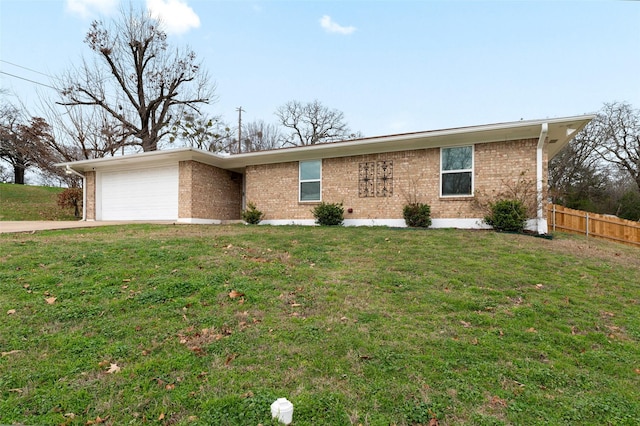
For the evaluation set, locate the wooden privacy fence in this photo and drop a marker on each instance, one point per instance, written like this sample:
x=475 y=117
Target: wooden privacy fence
x=612 y=228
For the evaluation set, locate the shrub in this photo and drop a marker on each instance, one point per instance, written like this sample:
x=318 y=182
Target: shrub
x=71 y=198
x=417 y=215
x=329 y=214
x=251 y=214
x=507 y=215
x=630 y=206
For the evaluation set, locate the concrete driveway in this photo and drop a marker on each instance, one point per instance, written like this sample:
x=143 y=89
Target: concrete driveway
x=43 y=225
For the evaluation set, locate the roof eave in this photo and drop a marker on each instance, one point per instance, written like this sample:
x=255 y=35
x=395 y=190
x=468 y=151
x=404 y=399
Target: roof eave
x=561 y=131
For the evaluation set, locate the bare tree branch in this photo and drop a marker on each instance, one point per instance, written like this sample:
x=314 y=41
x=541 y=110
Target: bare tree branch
x=312 y=123
x=136 y=78
x=617 y=137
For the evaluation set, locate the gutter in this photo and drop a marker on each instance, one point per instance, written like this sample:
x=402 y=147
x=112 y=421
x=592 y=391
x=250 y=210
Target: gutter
x=540 y=220
x=70 y=171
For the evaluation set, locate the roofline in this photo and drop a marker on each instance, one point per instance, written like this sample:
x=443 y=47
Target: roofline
x=561 y=131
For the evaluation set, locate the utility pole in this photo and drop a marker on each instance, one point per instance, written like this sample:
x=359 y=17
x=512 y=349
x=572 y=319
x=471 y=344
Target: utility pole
x=239 y=109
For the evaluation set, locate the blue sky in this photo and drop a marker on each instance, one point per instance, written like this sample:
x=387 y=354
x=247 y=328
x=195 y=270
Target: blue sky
x=390 y=66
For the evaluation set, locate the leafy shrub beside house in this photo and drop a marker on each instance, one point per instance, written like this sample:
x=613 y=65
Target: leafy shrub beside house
x=417 y=215
x=329 y=214
x=507 y=215
x=252 y=215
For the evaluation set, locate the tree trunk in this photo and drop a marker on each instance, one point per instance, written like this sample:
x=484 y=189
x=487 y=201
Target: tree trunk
x=18 y=174
x=149 y=144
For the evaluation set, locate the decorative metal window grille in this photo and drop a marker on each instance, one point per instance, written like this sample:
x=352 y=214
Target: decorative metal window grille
x=366 y=179
x=375 y=179
x=384 y=179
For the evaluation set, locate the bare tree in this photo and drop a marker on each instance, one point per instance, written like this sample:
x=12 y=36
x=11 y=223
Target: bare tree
x=599 y=170
x=21 y=140
x=312 y=123
x=136 y=78
x=617 y=137
x=5 y=176
x=578 y=177
x=83 y=134
x=260 y=136
x=201 y=132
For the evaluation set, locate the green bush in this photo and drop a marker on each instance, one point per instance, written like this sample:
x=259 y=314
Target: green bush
x=630 y=206
x=329 y=214
x=417 y=215
x=252 y=215
x=507 y=215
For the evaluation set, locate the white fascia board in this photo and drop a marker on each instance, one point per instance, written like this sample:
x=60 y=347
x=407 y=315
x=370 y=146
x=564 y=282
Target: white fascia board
x=419 y=140
x=559 y=135
x=148 y=159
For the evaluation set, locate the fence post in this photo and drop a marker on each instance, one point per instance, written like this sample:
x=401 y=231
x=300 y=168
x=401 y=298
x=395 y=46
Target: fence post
x=553 y=217
x=587 y=223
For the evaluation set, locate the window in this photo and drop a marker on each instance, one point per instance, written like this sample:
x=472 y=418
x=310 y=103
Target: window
x=310 y=173
x=456 y=171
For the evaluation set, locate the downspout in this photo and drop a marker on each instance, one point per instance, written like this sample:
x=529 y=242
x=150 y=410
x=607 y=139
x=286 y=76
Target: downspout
x=70 y=171
x=541 y=221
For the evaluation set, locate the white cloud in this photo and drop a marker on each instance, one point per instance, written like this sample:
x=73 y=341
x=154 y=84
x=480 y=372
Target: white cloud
x=177 y=17
x=88 y=8
x=333 y=27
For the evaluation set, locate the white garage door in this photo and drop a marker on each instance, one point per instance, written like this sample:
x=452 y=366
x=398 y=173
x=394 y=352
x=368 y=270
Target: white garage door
x=143 y=194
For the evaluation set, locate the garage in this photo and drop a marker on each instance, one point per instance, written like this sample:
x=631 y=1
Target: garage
x=138 y=194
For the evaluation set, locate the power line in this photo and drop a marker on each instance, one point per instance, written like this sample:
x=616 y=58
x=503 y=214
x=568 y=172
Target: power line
x=25 y=68
x=26 y=79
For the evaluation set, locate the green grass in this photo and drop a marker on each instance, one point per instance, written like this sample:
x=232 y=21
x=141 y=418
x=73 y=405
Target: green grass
x=25 y=202
x=370 y=326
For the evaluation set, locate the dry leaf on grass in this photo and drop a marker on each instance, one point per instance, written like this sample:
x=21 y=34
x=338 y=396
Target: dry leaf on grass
x=496 y=401
x=51 y=300
x=113 y=368
x=15 y=351
x=235 y=294
x=229 y=359
x=11 y=311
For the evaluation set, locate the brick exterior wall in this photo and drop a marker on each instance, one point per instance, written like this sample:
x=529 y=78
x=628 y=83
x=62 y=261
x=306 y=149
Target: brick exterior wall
x=90 y=181
x=416 y=174
x=208 y=192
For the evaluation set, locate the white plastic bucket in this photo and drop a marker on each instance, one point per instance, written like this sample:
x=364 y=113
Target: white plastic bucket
x=282 y=408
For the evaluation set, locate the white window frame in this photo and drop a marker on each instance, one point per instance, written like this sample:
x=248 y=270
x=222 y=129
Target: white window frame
x=444 y=172
x=301 y=181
